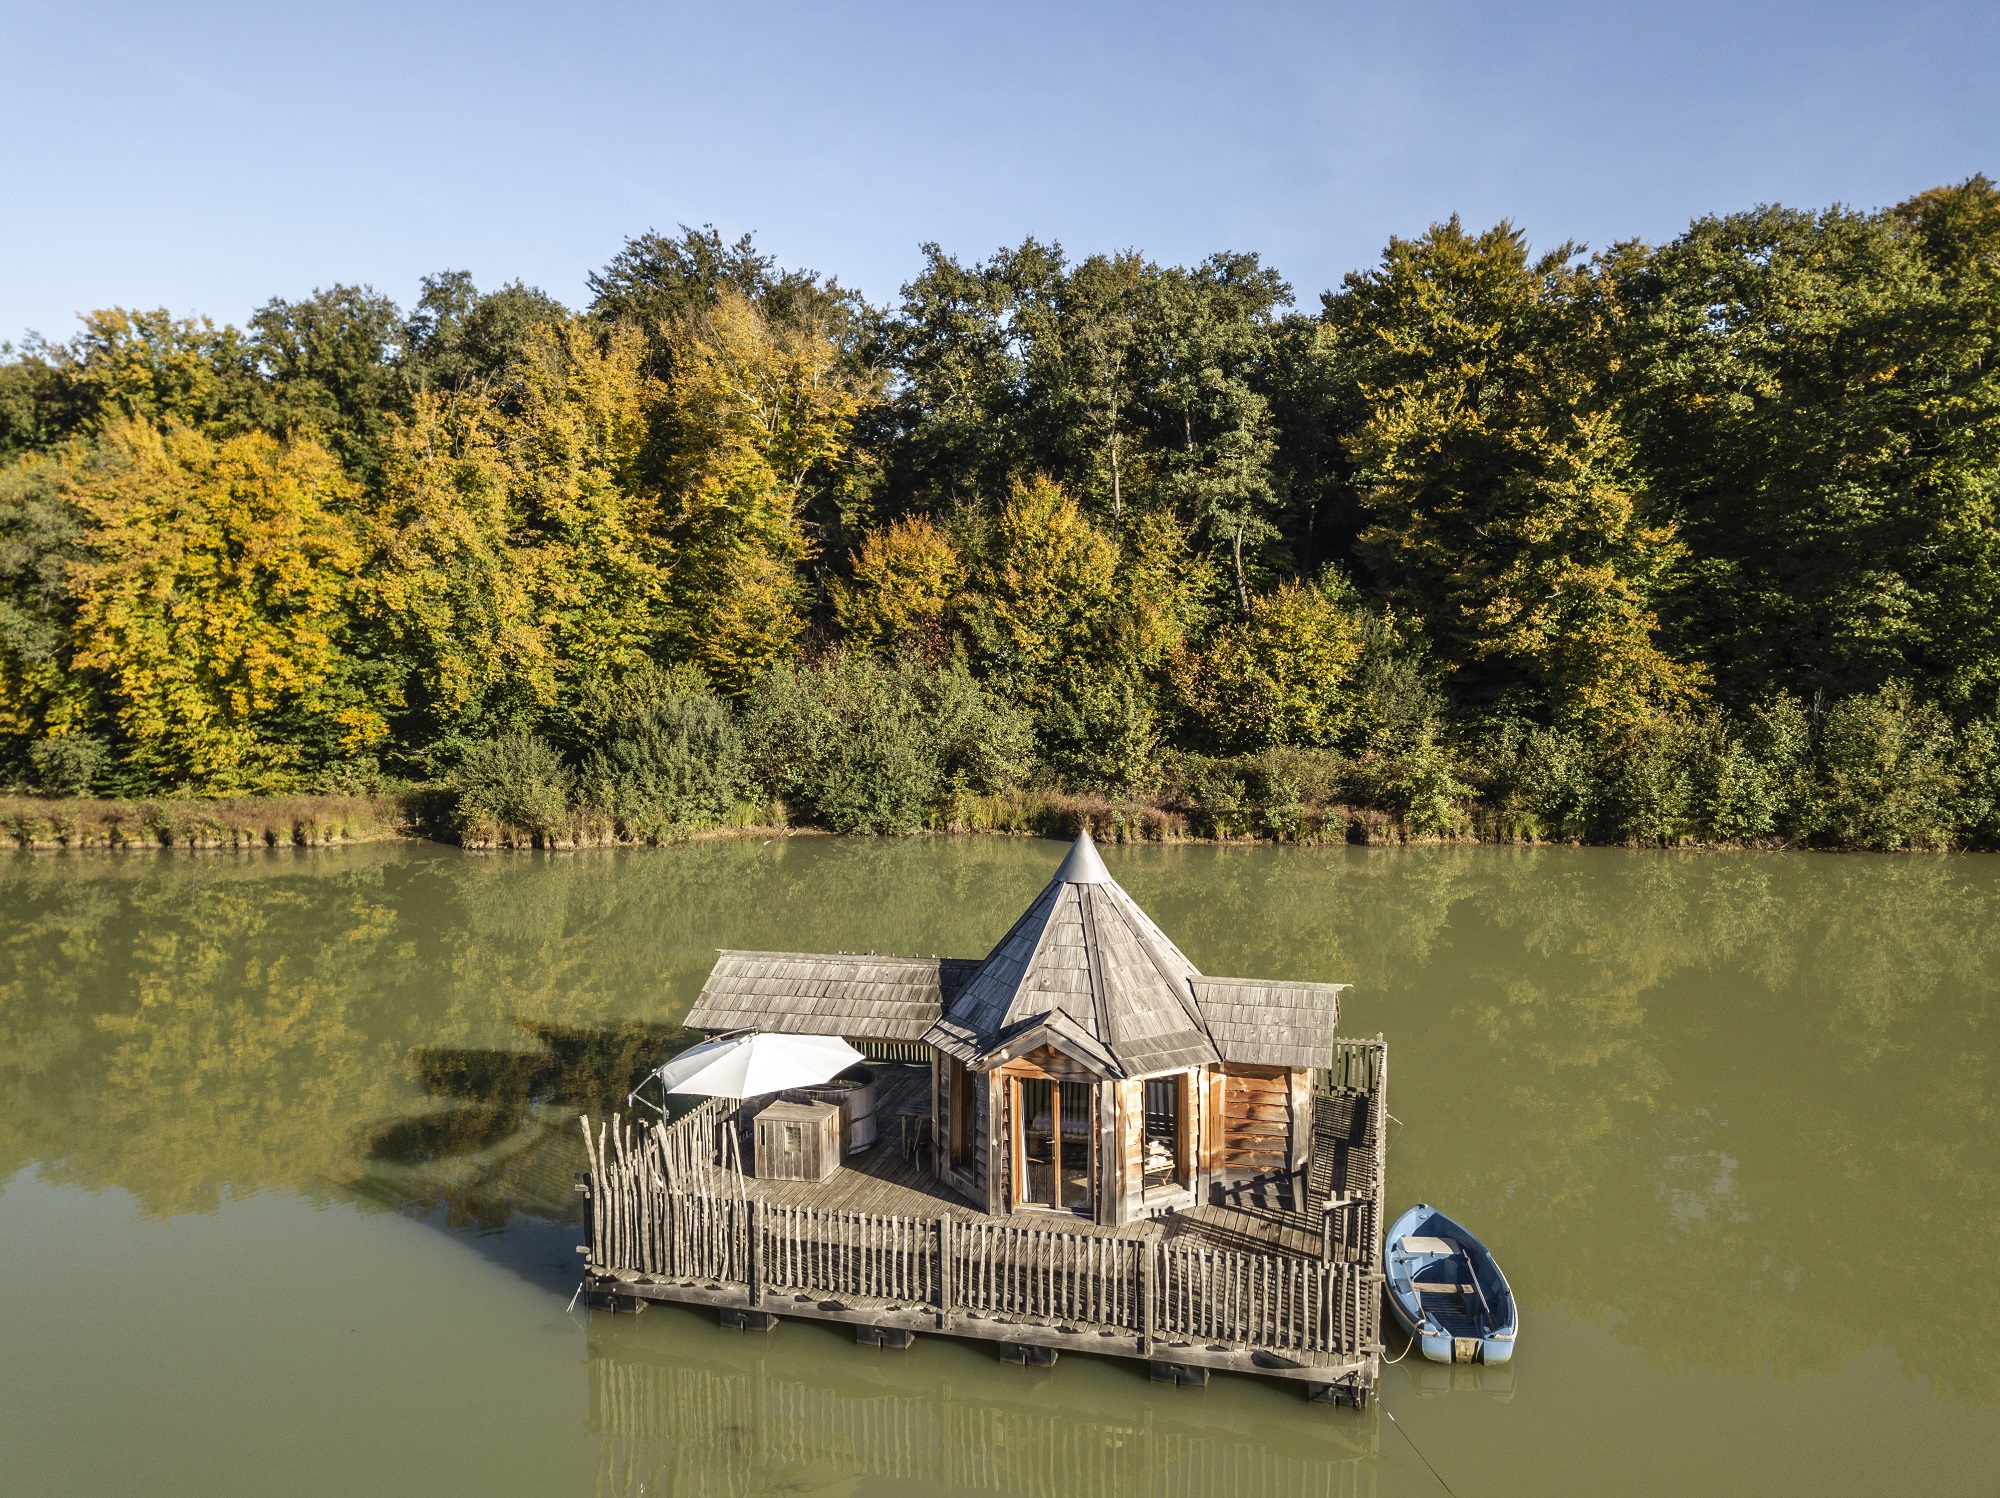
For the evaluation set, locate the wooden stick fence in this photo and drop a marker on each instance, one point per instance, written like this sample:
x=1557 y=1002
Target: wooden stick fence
x=641 y=1224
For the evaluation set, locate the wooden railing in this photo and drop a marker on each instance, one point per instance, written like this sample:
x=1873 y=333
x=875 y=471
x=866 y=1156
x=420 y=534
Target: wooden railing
x=641 y=1223
x=1349 y=1146
x=1047 y=1275
x=1264 y=1300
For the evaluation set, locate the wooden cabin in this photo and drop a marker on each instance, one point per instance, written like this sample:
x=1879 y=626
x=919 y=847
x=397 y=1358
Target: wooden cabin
x=1083 y=1068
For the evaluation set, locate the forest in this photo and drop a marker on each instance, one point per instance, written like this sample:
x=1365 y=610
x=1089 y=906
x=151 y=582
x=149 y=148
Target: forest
x=1692 y=542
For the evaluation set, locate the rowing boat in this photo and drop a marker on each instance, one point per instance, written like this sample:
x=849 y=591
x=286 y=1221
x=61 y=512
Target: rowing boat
x=1447 y=1292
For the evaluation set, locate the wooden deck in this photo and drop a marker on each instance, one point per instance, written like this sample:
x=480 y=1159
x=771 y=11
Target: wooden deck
x=882 y=1245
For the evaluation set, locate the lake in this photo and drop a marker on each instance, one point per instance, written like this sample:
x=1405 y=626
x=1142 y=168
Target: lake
x=287 y=1145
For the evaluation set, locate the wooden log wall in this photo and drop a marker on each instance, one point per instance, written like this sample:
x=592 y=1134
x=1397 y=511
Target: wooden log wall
x=1256 y=1121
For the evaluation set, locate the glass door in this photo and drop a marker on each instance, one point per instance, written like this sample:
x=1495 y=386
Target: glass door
x=1058 y=1129
x=1035 y=1116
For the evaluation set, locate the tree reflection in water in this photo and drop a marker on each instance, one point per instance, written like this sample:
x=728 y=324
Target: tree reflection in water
x=1707 y=1100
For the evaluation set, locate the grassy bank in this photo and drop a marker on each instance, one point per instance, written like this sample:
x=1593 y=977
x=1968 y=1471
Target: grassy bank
x=232 y=822
x=37 y=823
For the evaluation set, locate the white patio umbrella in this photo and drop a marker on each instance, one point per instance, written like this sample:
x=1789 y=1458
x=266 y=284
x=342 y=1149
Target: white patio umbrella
x=744 y=1066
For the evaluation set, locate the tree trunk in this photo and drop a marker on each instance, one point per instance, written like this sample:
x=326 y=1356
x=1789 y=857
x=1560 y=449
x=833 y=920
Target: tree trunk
x=1117 y=499
x=1242 y=593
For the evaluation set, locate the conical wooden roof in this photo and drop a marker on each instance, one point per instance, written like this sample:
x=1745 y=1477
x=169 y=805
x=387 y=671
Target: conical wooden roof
x=1086 y=970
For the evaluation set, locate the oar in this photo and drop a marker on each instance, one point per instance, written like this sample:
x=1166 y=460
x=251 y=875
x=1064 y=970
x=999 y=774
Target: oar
x=1484 y=1304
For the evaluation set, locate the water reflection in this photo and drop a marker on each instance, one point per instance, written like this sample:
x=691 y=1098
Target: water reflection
x=1707 y=1101
x=671 y=1422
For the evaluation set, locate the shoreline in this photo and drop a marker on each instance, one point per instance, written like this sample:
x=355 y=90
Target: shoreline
x=31 y=824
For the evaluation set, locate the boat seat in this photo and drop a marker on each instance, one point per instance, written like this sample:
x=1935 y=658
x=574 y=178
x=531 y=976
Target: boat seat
x=1430 y=1246
x=1426 y=1287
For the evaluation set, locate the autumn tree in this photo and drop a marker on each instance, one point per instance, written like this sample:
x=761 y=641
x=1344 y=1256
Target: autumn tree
x=753 y=412
x=1503 y=506
x=1282 y=675
x=214 y=605
x=906 y=577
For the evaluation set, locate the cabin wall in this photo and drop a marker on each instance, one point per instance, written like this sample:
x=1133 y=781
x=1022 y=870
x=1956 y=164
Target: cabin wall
x=971 y=1182
x=1262 y=1136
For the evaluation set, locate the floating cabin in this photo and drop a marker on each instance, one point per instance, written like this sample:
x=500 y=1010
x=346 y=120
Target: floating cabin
x=1085 y=1142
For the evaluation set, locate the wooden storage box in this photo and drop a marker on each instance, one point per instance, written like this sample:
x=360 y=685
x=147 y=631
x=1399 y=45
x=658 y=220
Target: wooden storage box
x=798 y=1141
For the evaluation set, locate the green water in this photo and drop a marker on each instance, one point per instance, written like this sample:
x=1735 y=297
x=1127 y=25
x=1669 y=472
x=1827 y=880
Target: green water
x=286 y=1150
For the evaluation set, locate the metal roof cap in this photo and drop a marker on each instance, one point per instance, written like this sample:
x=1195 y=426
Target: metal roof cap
x=1083 y=866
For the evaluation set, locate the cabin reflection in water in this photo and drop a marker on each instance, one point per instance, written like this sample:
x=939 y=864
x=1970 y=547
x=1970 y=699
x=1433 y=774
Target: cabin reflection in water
x=668 y=1426
x=1080 y=1142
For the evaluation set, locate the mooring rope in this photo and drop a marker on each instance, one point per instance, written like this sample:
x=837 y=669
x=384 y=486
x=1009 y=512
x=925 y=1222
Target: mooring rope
x=1418 y=1449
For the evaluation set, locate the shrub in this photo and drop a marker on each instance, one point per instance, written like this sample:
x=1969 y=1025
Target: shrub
x=71 y=764
x=1100 y=732
x=671 y=767
x=1886 y=772
x=1284 y=675
x=866 y=745
x=516 y=780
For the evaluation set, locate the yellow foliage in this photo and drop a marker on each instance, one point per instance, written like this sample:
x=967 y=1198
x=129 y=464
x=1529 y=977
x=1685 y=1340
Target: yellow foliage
x=453 y=595
x=1281 y=676
x=588 y=526
x=518 y=544
x=750 y=412
x=1051 y=590
x=905 y=578
x=212 y=603
x=1164 y=583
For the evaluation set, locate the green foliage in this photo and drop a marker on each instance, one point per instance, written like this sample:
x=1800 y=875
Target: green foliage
x=866 y=745
x=1818 y=394
x=41 y=535
x=457 y=338
x=1887 y=773
x=331 y=362
x=1054 y=519
x=1099 y=732
x=1500 y=489
x=70 y=764
x=657 y=280
x=516 y=780
x=670 y=767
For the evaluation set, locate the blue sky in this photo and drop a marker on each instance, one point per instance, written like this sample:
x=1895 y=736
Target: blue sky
x=207 y=157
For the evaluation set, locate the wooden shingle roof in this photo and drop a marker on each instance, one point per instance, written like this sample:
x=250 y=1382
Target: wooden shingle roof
x=1084 y=969
x=1260 y=1022
x=816 y=993
x=1084 y=950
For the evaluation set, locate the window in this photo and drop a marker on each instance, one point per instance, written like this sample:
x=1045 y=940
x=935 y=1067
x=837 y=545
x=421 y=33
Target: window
x=795 y=1138
x=963 y=1103
x=1166 y=1140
